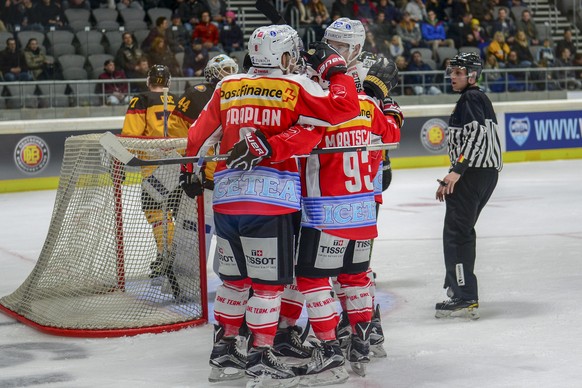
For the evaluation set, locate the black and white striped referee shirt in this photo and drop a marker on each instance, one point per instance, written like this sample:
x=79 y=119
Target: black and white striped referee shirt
x=473 y=140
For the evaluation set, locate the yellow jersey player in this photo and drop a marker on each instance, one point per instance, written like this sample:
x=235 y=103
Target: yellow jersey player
x=147 y=117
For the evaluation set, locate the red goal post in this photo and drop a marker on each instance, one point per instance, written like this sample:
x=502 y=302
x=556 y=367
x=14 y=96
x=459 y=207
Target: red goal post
x=94 y=276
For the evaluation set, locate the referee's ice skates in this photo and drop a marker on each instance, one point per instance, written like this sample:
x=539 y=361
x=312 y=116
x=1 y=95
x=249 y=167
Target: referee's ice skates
x=266 y=370
x=457 y=308
x=226 y=361
x=326 y=366
x=358 y=351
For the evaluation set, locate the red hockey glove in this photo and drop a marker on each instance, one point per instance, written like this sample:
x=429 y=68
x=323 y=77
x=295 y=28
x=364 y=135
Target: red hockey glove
x=325 y=60
x=391 y=108
x=249 y=151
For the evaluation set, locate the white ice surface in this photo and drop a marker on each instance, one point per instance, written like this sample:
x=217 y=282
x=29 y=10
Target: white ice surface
x=529 y=268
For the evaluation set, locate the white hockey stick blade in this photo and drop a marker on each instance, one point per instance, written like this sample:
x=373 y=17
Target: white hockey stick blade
x=225 y=374
x=112 y=145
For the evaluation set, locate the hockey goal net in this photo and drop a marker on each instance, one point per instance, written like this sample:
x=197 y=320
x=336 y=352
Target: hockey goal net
x=123 y=254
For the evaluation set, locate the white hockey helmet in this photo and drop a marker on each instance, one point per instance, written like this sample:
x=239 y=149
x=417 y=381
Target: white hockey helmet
x=347 y=31
x=268 y=44
x=219 y=67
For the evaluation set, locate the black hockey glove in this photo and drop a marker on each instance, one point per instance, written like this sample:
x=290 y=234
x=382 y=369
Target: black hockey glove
x=249 y=151
x=391 y=108
x=386 y=173
x=325 y=60
x=381 y=78
x=190 y=183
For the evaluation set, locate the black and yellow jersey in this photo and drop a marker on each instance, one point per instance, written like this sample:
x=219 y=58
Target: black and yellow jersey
x=188 y=108
x=145 y=114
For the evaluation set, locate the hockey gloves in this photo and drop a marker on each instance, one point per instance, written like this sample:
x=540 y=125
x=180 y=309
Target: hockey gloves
x=190 y=183
x=325 y=60
x=391 y=108
x=381 y=78
x=249 y=151
x=386 y=173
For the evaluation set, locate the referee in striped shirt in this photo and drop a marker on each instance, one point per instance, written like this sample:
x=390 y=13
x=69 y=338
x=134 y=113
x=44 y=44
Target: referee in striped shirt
x=475 y=154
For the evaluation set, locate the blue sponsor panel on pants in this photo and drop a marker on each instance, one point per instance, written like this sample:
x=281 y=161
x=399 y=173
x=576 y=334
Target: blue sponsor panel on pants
x=543 y=130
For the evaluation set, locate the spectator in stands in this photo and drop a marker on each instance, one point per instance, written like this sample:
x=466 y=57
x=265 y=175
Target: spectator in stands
x=421 y=83
x=434 y=34
x=160 y=54
x=521 y=48
x=438 y=9
x=545 y=55
x=115 y=93
x=365 y=11
x=460 y=28
x=515 y=79
x=416 y=9
x=318 y=27
x=505 y=24
x=401 y=64
x=566 y=78
x=371 y=45
x=567 y=42
x=442 y=82
x=191 y=11
x=13 y=64
x=231 y=35
x=217 y=9
x=343 y=8
x=396 y=47
x=458 y=8
x=141 y=72
x=24 y=16
x=124 y=4
x=495 y=80
x=178 y=33
x=128 y=56
x=207 y=32
x=487 y=22
x=36 y=61
x=478 y=8
x=480 y=36
x=160 y=30
x=50 y=15
x=499 y=48
x=527 y=25
x=381 y=28
x=195 y=59
x=296 y=9
x=314 y=8
x=410 y=33
x=578 y=63
x=392 y=15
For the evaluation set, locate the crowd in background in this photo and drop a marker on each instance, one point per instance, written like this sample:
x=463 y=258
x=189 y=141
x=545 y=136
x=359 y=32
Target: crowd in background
x=502 y=31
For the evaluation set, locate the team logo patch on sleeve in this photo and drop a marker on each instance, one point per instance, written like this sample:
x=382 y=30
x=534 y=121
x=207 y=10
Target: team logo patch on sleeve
x=200 y=88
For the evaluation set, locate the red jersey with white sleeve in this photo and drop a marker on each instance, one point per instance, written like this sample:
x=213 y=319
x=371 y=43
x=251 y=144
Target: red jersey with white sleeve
x=272 y=102
x=338 y=189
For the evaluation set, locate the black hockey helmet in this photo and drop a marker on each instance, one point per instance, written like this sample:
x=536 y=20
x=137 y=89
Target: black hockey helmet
x=159 y=75
x=470 y=61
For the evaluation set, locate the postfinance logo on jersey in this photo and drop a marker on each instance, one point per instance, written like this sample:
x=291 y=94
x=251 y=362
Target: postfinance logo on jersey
x=259 y=92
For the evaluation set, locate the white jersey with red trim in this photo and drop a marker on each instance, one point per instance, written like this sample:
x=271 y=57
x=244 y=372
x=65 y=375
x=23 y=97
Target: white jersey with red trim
x=358 y=72
x=338 y=189
x=268 y=100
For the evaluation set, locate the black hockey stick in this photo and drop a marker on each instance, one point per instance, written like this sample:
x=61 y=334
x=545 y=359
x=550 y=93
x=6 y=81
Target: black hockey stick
x=268 y=9
x=111 y=144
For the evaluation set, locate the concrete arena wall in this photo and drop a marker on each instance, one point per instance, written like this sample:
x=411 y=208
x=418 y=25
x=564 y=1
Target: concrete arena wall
x=31 y=151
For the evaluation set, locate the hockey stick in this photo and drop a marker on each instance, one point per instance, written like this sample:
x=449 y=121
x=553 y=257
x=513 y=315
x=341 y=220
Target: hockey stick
x=111 y=144
x=267 y=8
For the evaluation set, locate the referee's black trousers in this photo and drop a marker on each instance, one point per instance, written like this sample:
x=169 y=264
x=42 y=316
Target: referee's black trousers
x=471 y=194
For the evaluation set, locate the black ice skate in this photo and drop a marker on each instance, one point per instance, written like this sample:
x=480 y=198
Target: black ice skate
x=266 y=370
x=157 y=266
x=325 y=367
x=343 y=330
x=377 y=335
x=226 y=361
x=289 y=343
x=457 y=308
x=358 y=351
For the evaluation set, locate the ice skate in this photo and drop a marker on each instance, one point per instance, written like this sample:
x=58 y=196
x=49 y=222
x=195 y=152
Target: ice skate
x=377 y=335
x=265 y=370
x=226 y=361
x=290 y=343
x=343 y=330
x=358 y=351
x=326 y=366
x=457 y=308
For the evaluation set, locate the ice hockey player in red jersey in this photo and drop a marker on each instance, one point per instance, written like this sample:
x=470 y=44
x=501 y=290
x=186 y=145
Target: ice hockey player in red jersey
x=256 y=201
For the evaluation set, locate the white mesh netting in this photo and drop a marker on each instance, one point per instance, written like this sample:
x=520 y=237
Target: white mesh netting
x=122 y=255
